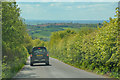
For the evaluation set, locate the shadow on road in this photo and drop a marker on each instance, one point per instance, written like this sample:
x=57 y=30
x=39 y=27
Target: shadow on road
x=26 y=69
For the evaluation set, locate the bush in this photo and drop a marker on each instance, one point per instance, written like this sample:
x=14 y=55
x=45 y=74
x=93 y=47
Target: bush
x=93 y=49
x=15 y=40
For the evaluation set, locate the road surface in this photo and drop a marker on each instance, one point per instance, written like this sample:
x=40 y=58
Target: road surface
x=56 y=69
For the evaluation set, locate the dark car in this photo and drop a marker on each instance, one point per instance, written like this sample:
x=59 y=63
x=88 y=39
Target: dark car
x=39 y=55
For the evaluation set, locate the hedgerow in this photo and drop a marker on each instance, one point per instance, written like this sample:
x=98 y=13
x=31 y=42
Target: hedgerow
x=92 y=49
x=15 y=40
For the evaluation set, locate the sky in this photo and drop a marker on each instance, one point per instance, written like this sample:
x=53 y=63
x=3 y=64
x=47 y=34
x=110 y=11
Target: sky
x=67 y=0
x=67 y=10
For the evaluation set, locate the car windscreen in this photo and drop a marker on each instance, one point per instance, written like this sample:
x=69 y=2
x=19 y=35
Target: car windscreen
x=39 y=50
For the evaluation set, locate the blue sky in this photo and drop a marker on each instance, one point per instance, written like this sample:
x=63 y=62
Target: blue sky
x=67 y=10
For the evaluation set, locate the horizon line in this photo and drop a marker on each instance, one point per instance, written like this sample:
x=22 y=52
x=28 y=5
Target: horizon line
x=62 y=20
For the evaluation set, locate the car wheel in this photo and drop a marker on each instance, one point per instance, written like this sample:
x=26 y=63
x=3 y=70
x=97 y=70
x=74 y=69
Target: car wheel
x=31 y=64
x=47 y=63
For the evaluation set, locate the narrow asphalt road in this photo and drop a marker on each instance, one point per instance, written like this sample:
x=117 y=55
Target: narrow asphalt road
x=56 y=69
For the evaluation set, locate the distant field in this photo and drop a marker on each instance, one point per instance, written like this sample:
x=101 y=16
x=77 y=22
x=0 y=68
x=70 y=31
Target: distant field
x=43 y=31
x=75 y=29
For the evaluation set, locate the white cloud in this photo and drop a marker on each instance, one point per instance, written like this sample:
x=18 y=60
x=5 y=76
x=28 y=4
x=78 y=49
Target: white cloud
x=69 y=7
x=94 y=5
x=28 y=5
x=81 y=6
x=56 y=4
x=38 y=5
x=24 y=5
x=52 y=4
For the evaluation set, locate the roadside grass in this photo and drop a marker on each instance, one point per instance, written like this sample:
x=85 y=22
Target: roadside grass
x=10 y=69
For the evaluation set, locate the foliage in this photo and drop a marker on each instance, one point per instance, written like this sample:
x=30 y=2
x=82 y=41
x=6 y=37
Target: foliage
x=15 y=40
x=90 y=49
x=39 y=43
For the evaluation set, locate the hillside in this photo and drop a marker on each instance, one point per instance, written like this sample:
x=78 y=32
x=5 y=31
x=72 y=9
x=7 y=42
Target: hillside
x=43 y=31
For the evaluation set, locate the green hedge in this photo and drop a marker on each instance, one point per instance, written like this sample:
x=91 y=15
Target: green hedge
x=92 y=49
x=15 y=40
